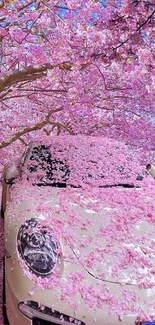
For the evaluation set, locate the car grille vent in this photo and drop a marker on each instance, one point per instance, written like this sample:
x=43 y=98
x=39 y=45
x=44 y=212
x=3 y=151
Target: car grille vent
x=56 y=314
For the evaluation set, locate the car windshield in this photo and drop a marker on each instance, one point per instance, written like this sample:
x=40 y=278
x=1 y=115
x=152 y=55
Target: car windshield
x=79 y=162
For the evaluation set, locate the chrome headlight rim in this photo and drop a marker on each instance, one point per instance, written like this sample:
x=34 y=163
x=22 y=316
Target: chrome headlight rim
x=35 y=244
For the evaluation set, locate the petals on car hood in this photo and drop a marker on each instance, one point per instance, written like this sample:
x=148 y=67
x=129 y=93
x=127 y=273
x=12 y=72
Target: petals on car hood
x=110 y=232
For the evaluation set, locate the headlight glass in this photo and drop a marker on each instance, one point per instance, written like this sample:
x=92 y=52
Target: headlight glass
x=37 y=247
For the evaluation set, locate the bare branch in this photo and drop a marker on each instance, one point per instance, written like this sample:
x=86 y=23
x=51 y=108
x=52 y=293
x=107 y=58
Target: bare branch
x=25 y=6
x=23 y=141
x=146 y=21
x=42 y=90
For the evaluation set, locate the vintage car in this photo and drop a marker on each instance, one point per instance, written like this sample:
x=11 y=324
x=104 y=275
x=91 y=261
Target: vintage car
x=79 y=240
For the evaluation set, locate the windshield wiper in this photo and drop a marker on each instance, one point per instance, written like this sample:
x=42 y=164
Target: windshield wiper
x=64 y=185
x=120 y=185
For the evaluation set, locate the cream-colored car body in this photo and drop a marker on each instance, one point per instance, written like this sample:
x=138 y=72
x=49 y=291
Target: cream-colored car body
x=151 y=170
x=18 y=287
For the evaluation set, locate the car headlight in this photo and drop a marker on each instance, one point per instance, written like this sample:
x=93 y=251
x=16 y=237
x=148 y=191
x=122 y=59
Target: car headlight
x=37 y=247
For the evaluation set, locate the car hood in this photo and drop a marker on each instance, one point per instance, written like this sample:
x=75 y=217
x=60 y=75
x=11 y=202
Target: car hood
x=106 y=232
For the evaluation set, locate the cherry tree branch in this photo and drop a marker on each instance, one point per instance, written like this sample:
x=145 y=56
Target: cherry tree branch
x=30 y=72
x=122 y=43
x=36 y=127
x=25 y=6
x=137 y=30
x=18 y=135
